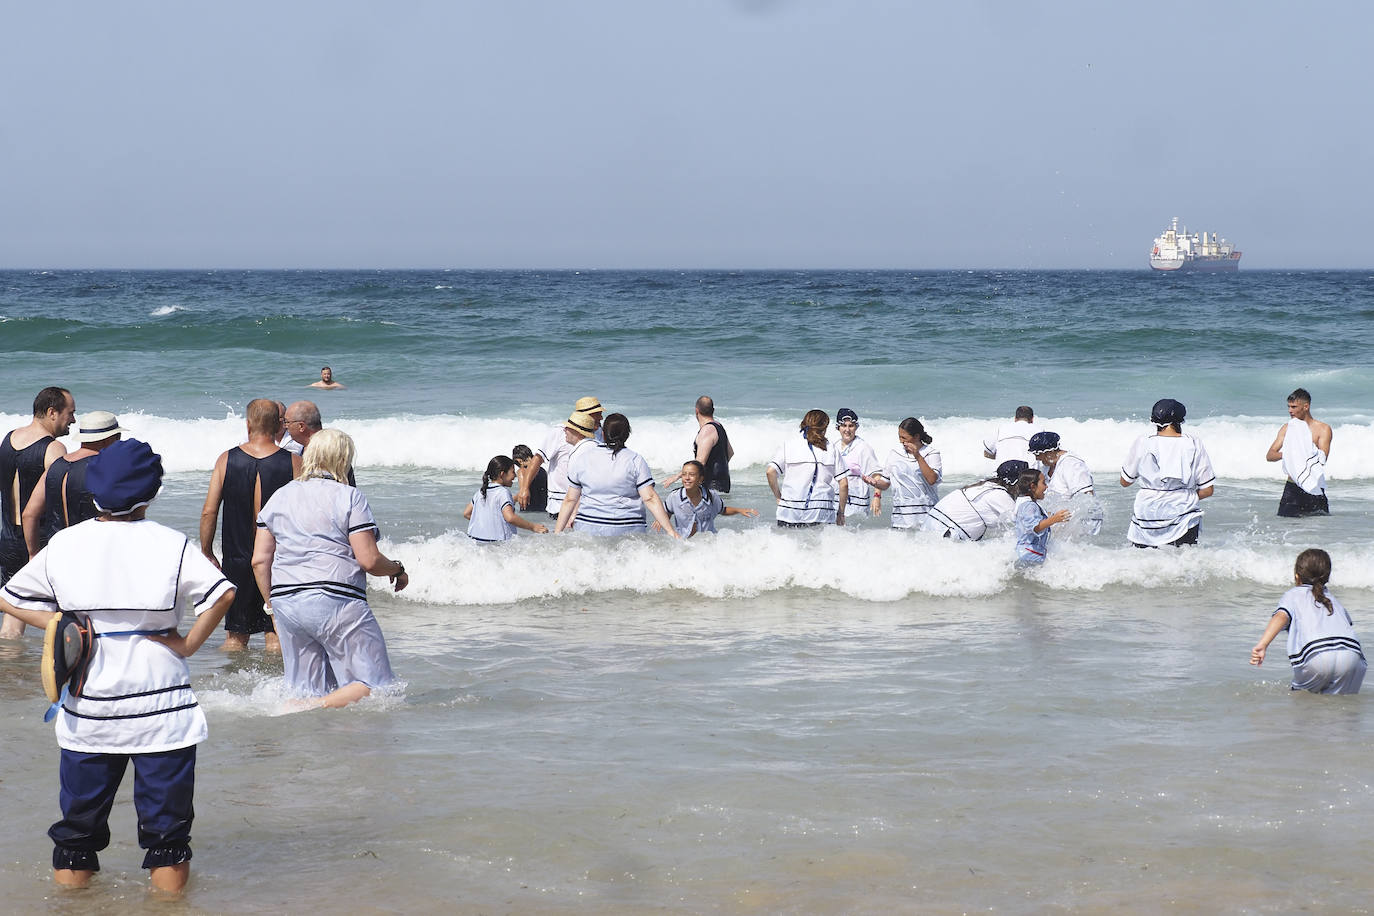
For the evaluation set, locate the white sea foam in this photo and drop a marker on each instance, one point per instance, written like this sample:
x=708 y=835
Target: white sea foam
x=869 y=565
x=166 y=310
x=450 y=442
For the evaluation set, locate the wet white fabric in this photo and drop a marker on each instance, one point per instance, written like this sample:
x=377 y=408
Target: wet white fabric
x=910 y=496
x=1322 y=648
x=808 y=478
x=1303 y=462
x=1011 y=441
x=1169 y=470
x=967 y=514
x=125 y=576
x=488 y=522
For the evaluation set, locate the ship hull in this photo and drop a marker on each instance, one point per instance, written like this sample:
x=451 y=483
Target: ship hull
x=1197 y=265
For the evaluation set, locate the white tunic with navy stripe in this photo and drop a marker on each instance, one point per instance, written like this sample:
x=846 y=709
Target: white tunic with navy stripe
x=860 y=458
x=488 y=522
x=125 y=576
x=1071 y=478
x=911 y=497
x=1169 y=470
x=808 y=481
x=1322 y=648
x=311 y=521
x=609 y=484
x=686 y=514
x=557 y=452
x=967 y=514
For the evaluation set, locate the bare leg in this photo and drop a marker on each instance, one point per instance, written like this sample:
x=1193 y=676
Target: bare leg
x=12 y=628
x=170 y=879
x=70 y=877
x=348 y=693
x=234 y=642
x=273 y=645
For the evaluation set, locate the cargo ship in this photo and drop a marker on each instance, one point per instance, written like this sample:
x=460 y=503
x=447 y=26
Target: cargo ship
x=1175 y=250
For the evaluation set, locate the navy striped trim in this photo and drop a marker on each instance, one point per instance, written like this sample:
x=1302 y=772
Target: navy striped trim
x=1325 y=644
x=364 y=527
x=213 y=589
x=603 y=520
x=130 y=696
x=38 y=599
x=342 y=589
x=132 y=715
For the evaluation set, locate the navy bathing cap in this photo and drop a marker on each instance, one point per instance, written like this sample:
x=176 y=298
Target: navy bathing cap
x=1044 y=442
x=846 y=414
x=1010 y=471
x=124 y=476
x=1167 y=410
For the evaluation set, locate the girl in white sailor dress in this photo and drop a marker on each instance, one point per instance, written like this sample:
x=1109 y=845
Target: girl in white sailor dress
x=913 y=472
x=1322 y=647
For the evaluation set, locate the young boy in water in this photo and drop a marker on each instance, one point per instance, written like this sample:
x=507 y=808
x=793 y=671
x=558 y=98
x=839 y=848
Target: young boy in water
x=129 y=579
x=694 y=509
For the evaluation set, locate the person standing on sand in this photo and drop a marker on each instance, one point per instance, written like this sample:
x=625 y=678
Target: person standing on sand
x=26 y=454
x=1303 y=445
x=130 y=578
x=327 y=381
x=244 y=479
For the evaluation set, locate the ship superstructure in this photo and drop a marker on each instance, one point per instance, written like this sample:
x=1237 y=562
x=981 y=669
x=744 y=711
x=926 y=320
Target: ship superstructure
x=1177 y=250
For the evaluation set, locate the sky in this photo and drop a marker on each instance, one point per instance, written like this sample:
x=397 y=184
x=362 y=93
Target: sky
x=690 y=134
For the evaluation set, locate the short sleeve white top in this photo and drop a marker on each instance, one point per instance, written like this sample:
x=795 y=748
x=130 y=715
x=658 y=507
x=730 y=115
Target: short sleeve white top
x=488 y=522
x=809 y=479
x=911 y=497
x=125 y=576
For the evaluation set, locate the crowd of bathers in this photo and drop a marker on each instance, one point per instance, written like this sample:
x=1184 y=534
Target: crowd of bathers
x=80 y=559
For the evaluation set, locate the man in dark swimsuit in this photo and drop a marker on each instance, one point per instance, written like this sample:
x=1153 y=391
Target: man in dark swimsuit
x=244 y=479
x=26 y=454
x=63 y=500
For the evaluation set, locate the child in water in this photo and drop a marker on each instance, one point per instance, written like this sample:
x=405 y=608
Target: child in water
x=1032 y=524
x=491 y=512
x=1326 y=656
x=694 y=509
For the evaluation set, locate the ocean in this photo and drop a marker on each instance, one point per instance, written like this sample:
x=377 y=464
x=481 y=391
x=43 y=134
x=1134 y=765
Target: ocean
x=853 y=720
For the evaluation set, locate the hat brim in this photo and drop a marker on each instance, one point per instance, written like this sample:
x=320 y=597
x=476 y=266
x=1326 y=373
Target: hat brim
x=66 y=653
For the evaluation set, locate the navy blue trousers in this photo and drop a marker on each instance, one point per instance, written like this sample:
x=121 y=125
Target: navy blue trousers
x=163 y=785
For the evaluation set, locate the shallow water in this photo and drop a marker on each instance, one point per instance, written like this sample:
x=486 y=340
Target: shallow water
x=855 y=721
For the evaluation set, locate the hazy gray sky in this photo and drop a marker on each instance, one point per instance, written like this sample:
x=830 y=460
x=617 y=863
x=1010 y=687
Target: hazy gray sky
x=557 y=133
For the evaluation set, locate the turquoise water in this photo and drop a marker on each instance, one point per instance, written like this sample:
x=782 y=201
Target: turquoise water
x=827 y=721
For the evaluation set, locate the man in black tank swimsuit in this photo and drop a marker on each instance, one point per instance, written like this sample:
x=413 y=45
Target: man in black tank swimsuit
x=63 y=500
x=244 y=479
x=711 y=447
x=26 y=454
